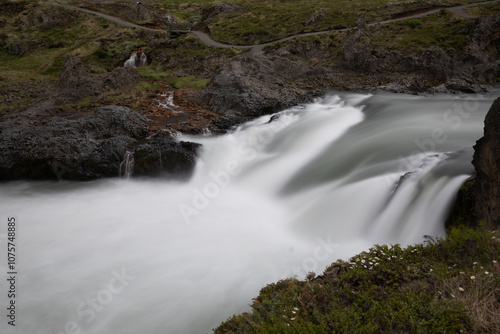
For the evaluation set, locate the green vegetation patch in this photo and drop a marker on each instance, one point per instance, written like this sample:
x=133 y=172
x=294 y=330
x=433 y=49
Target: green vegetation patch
x=442 y=29
x=485 y=9
x=36 y=38
x=446 y=285
x=261 y=21
x=161 y=74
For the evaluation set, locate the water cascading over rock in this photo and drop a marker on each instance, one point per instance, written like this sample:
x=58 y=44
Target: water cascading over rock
x=137 y=59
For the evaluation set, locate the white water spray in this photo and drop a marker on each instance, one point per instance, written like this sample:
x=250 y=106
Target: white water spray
x=127 y=166
x=320 y=182
x=136 y=61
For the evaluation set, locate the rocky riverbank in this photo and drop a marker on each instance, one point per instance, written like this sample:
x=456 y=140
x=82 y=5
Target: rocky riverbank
x=241 y=85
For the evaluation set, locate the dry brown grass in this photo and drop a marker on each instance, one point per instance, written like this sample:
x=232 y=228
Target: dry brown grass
x=481 y=295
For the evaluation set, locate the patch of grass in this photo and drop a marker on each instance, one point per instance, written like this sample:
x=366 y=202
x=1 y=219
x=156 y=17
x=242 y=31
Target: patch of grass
x=152 y=72
x=160 y=74
x=414 y=23
x=485 y=9
x=447 y=285
x=441 y=29
x=188 y=82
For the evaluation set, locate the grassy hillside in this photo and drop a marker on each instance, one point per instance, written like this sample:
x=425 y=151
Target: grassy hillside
x=259 y=21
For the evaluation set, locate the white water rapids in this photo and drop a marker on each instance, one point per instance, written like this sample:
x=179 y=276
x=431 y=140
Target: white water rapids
x=272 y=199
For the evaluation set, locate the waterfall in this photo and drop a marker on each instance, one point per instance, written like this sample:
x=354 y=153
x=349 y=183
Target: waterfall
x=278 y=196
x=165 y=100
x=143 y=61
x=127 y=165
x=136 y=61
x=131 y=61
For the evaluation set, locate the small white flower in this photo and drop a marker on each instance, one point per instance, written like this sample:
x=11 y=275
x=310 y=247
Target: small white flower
x=494 y=261
x=296 y=309
x=292 y=318
x=431 y=270
x=460 y=289
x=363 y=261
x=487 y=273
x=294 y=312
x=474 y=263
x=473 y=277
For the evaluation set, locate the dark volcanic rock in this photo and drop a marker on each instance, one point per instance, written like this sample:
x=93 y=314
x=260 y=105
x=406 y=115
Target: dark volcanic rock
x=83 y=149
x=165 y=156
x=479 y=64
x=89 y=148
x=76 y=82
x=487 y=164
x=255 y=84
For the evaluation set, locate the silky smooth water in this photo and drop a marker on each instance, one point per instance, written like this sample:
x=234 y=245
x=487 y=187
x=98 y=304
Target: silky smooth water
x=279 y=196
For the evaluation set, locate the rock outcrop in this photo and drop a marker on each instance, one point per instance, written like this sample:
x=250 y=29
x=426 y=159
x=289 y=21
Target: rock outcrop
x=82 y=149
x=479 y=63
x=89 y=148
x=163 y=156
x=254 y=84
x=75 y=81
x=486 y=161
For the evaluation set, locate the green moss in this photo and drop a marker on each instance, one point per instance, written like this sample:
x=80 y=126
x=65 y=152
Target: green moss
x=425 y=288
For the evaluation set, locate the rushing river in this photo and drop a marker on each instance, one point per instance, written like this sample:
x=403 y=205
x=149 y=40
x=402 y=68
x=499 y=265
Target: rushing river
x=275 y=198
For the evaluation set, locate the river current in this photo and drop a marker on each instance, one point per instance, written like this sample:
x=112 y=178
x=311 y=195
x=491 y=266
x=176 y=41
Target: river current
x=279 y=196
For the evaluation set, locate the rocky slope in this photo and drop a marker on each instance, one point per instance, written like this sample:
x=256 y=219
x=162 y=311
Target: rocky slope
x=263 y=83
x=41 y=143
